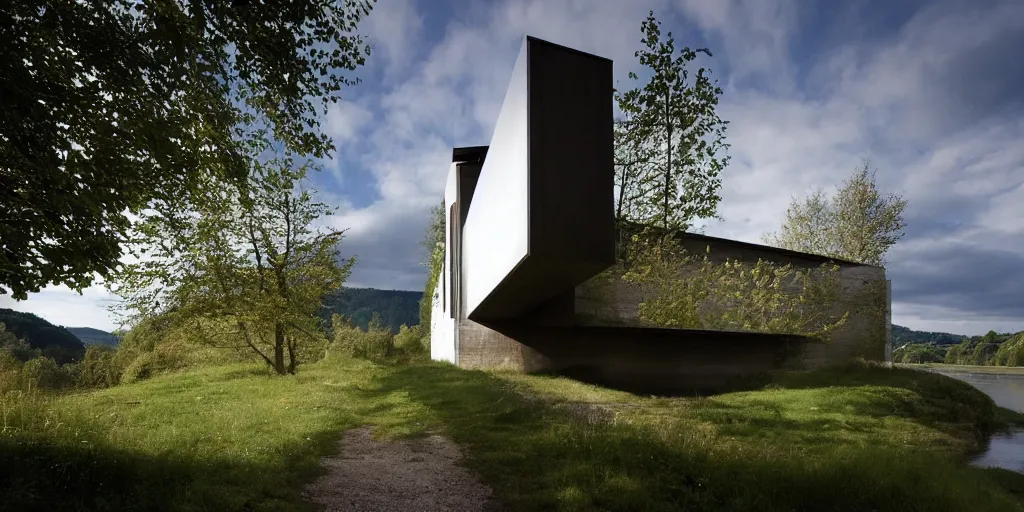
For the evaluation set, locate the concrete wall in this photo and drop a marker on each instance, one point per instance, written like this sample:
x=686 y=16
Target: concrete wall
x=442 y=326
x=607 y=300
x=636 y=359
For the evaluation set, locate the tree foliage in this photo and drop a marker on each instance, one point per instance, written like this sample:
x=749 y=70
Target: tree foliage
x=433 y=245
x=681 y=290
x=990 y=349
x=858 y=223
x=114 y=106
x=15 y=346
x=670 y=142
x=251 y=255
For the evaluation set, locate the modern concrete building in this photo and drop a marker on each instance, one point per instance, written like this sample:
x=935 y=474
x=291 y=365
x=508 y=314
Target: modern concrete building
x=530 y=223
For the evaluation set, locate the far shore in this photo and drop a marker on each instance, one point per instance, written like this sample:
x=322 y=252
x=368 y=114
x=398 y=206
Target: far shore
x=965 y=368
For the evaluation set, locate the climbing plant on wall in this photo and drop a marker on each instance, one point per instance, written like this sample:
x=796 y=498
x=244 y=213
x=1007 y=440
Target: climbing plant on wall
x=683 y=290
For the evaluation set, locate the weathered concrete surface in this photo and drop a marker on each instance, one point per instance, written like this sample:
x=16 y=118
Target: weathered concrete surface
x=597 y=335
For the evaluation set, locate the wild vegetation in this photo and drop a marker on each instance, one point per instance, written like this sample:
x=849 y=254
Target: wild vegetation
x=857 y=223
x=229 y=383
x=681 y=290
x=395 y=307
x=50 y=340
x=990 y=349
x=670 y=142
x=111 y=108
x=234 y=436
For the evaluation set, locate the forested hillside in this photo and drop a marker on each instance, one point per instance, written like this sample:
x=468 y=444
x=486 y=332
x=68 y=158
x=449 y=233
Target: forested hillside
x=992 y=349
x=902 y=335
x=91 y=336
x=395 y=307
x=52 y=340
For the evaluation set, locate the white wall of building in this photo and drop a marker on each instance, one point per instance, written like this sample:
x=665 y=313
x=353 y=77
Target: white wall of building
x=497 y=225
x=442 y=325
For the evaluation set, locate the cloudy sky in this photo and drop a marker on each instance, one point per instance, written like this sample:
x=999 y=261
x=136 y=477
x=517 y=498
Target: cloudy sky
x=932 y=92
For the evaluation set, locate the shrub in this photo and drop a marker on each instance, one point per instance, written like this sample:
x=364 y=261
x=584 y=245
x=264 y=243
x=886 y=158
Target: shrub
x=43 y=373
x=97 y=368
x=411 y=342
x=10 y=372
x=376 y=342
x=140 y=368
x=15 y=346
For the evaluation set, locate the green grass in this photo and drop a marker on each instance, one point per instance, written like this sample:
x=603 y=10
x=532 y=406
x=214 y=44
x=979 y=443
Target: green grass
x=236 y=438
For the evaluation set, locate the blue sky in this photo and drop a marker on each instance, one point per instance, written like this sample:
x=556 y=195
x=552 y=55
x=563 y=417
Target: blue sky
x=932 y=92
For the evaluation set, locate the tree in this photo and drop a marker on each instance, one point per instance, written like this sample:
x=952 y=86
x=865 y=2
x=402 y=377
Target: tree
x=111 y=106
x=635 y=179
x=858 y=223
x=251 y=255
x=670 y=135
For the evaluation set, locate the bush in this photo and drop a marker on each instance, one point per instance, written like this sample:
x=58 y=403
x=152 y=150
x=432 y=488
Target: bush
x=140 y=368
x=10 y=372
x=410 y=341
x=97 y=368
x=43 y=373
x=375 y=343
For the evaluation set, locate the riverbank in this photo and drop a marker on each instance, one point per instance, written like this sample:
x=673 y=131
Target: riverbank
x=233 y=437
x=964 y=368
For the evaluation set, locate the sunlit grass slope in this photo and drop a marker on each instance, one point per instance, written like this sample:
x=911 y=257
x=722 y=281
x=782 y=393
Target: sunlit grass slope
x=236 y=438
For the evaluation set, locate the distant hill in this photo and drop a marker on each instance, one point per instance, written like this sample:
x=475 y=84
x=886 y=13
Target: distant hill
x=903 y=335
x=91 y=336
x=396 y=307
x=53 y=340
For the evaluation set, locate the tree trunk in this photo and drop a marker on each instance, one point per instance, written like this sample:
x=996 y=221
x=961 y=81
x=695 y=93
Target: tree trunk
x=292 y=363
x=279 y=348
x=668 y=165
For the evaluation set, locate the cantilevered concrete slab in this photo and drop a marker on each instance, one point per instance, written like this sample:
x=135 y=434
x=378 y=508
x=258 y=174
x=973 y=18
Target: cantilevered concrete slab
x=541 y=219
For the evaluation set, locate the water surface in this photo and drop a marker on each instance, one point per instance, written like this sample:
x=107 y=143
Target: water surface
x=1006 y=387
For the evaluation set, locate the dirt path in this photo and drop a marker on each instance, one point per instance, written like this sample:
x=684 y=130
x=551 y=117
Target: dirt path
x=416 y=475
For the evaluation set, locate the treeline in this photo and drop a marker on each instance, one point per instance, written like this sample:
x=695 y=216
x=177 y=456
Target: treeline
x=992 y=349
x=49 y=340
x=394 y=307
x=903 y=335
x=168 y=343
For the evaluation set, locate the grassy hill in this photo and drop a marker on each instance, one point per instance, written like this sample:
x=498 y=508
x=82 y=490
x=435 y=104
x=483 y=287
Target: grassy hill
x=91 y=336
x=53 y=340
x=395 y=307
x=236 y=438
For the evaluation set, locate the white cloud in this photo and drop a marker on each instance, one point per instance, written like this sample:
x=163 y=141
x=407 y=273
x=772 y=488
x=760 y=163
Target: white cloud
x=395 y=28
x=61 y=305
x=929 y=103
x=345 y=120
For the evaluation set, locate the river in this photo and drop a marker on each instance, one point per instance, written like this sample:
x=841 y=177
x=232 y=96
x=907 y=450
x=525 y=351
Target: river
x=1006 y=387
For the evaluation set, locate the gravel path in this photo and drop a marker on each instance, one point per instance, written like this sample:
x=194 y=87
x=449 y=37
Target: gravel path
x=416 y=475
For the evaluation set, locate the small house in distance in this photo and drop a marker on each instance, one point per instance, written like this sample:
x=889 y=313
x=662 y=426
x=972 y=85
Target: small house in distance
x=530 y=224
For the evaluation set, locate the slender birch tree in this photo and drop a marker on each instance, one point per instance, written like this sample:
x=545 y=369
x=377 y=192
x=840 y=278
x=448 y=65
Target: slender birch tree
x=671 y=141
x=858 y=223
